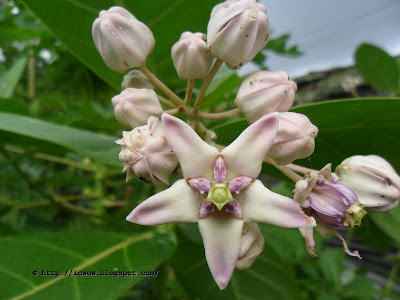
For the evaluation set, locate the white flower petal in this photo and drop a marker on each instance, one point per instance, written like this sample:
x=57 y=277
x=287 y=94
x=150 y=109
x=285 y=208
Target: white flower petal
x=259 y=204
x=195 y=156
x=246 y=154
x=179 y=203
x=222 y=236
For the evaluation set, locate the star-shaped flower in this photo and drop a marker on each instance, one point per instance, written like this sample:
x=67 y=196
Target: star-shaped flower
x=220 y=192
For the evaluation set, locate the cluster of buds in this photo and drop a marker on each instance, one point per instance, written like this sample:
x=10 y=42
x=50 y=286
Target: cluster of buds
x=219 y=189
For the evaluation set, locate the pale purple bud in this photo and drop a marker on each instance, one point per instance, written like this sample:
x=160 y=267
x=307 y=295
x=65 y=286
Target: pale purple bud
x=190 y=56
x=239 y=183
x=146 y=153
x=200 y=184
x=237 y=31
x=234 y=209
x=220 y=170
x=133 y=107
x=374 y=180
x=295 y=138
x=136 y=79
x=251 y=247
x=333 y=202
x=264 y=92
x=206 y=208
x=122 y=40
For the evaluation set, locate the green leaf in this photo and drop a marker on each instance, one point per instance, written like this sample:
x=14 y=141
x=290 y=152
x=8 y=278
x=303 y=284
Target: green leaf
x=389 y=223
x=378 y=68
x=10 y=78
x=223 y=88
x=96 y=146
x=74 y=252
x=269 y=275
x=71 y=22
x=346 y=128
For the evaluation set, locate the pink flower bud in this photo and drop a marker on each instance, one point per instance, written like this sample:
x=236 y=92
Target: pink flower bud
x=146 y=153
x=190 y=56
x=134 y=106
x=295 y=138
x=264 y=92
x=374 y=180
x=136 y=79
x=122 y=40
x=252 y=246
x=237 y=31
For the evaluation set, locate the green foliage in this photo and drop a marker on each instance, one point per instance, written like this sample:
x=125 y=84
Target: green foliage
x=97 y=146
x=346 y=128
x=269 y=275
x=10 y=78
x=67 y=253
x=378 y=68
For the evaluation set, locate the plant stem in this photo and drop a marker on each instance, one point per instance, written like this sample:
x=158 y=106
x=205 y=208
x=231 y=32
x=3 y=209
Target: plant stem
x=299 y=169
x=391 y=279
x=166 y=102
x=154 y=80
x=220 y=116
x=52 y=158
x=50 y=196
x=189 y=91
x=284 y=169
x=160 y=285
x=206 y=83
x=173 y=111
x=31 y=75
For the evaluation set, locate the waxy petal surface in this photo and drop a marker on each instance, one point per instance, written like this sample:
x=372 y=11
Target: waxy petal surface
x=259 y=204
x=195 y=156
x=222 y=237
x=246 y=154
x=179 y=203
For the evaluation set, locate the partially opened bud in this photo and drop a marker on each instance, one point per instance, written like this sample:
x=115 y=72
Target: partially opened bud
x=264 y=92
x=146 y=153
x=295 y=138
x=136 y=79
x=133 y=107
x=374 y=180
x=237 y=31
x=123 y=41
x=252 y=246
x=190 y=56
x=332 y=202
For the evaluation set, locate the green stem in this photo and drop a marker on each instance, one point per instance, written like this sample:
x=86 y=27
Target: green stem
x=392 y=278
x=160 y=285
x=221 y=115
x=206 y=83
x=285 y=170
x=154 y=80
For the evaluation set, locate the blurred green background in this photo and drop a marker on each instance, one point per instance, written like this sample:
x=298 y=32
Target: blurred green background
x=63 y=199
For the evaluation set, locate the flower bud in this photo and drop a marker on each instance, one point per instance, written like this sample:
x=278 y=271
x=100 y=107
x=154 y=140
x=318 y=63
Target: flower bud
x=374 y=180
x=190 y=56
x=252 y=246
x=237 y=31
x=264 y=92
x=332 y=202
x=136 y=79
x=146 y=153
x=295 y=138
x=134 y=106
x=123 y=41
